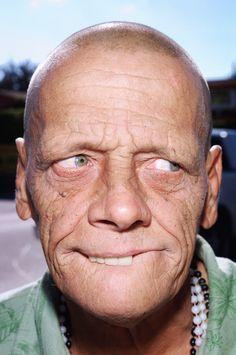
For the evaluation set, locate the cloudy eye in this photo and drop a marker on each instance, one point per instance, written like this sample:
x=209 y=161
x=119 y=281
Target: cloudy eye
x=165 y=165
x=77 y=161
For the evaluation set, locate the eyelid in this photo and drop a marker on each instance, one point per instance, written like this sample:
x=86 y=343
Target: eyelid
x=65 y=163
x=163 y=167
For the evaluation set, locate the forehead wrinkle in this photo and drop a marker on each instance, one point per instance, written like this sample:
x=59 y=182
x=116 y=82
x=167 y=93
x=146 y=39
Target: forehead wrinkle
x=143 y=117
x=112 y=83
x=116 y=37
x=110 y=72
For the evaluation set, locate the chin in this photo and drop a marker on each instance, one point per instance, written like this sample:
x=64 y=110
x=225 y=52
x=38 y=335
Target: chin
x=121 y=296
x=123 y=320
x=126 y=317
x=123 y=311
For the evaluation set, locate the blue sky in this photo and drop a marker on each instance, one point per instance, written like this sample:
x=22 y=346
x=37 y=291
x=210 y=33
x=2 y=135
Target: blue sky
x=30 y=29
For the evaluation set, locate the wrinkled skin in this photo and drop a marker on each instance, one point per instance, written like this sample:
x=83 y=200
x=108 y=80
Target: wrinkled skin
x=125 y=114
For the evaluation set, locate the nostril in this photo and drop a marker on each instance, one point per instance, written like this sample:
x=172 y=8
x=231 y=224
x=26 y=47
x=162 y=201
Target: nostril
x=119 y=212
x=136 y=224
x=104 y=222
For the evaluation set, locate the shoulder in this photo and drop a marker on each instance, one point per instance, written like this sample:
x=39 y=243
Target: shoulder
x=13 y=306
x=220 y=270
x=17 y=299
x=222 y=312
x=227 y=266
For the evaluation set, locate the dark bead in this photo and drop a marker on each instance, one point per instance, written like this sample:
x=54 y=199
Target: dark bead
x=192 y=331
x=68 y=334
x=197 y=273
x=204 y=287
x=193 y=341
x=202 y=281
x=207 y=305
x=193 y=352
x=206 y=296
x=68 y=344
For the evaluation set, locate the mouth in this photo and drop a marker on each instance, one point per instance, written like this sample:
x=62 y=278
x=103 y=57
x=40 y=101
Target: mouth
x=113 y=261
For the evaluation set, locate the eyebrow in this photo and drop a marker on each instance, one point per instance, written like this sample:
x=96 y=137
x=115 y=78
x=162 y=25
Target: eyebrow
x=45 y=157
x=51 y=153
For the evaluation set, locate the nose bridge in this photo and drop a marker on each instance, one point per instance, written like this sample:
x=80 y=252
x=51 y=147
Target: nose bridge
x=121 y=187
x=119 y=171
x=121 y=203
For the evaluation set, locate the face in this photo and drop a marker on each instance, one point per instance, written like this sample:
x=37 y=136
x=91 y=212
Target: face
x=118 y=180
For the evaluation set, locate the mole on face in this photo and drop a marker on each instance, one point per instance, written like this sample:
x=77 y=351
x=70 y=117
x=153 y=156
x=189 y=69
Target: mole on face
x=63 y=194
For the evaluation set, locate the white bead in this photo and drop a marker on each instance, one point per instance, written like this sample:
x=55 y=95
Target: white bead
x=204 y=326
x=200 y=297
x=194 y=280
x=202 y=307
x=194 y=299
x=203 y=316
x=198 y=331
x=198 y=342
x=198 y=289
x=63 y=328
x=195 y=309
x=203 y=334
x=197 y=320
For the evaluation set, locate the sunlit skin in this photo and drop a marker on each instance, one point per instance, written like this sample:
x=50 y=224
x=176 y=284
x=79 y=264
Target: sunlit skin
x=119 y=168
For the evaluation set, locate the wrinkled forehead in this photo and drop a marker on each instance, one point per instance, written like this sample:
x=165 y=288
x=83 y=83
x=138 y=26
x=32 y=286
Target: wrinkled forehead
x=143 y=73
x=107 y=88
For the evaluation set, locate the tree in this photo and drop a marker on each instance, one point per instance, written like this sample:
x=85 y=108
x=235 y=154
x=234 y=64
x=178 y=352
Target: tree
x=16 y=76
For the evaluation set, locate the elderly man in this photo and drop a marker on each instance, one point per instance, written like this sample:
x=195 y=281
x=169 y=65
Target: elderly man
x=116 y=170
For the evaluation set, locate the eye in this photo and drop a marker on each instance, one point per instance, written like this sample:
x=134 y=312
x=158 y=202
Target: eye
x=165 y=165
x=77 y=161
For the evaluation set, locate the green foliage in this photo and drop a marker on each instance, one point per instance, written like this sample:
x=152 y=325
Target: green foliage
x=16 y=77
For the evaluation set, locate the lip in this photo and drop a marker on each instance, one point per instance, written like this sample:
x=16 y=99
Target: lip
x=109 y=254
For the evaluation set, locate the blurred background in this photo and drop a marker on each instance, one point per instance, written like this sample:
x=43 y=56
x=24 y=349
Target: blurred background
x=30 y=29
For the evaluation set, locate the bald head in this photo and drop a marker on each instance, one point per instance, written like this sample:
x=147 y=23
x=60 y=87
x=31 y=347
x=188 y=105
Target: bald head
x=119 y=37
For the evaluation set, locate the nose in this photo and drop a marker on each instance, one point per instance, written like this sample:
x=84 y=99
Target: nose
x=119 y=209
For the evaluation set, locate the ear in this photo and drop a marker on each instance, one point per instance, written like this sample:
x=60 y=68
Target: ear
x=214 y=172
x=22 y=201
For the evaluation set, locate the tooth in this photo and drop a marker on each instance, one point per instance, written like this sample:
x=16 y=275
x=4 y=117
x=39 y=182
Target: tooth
x=126 y=260
x=111 y=261
x=100 y=260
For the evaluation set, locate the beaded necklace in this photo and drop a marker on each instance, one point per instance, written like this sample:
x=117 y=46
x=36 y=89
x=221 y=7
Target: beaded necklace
x=200 y=306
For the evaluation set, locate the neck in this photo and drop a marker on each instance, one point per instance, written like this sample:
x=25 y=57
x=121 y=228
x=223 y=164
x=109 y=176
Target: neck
x=166 y=332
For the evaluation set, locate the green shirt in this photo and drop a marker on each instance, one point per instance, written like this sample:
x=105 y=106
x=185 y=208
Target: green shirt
x=29 y=322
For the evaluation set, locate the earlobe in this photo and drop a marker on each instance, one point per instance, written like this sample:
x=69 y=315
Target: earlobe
x=22 y=202
x=214 y=171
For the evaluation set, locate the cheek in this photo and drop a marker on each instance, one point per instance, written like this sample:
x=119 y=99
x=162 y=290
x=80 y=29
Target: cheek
x=60 y=207
x=52 y=195
x=178 y=212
